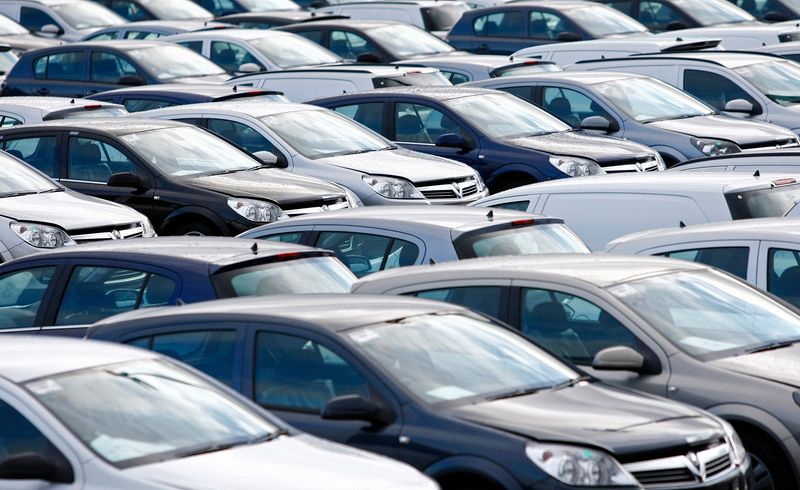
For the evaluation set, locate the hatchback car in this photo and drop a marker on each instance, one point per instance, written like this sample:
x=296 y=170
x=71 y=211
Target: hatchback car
x=789 y=50
x=68 y=20
x=152 y=29
x=186 y=180
x=369 y=240
x=19 y=39
x=98 y=416
x=31 y=110
x=433 y=16
x=742 y=37
x=775 y=161
x=471 y=67
x=508 y=141
x=644 y=110
x=680 y=330
x=148 y=97
x=316 y=142
x=136 y=10
x=225 y=7
x=80 y=69
x=507 y=28
x=671 y=15
x=402 y=377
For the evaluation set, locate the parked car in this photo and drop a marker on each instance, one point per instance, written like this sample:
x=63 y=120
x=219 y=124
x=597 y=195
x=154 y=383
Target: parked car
x=645 y=110
x=31 y=110
x=373 y=41
x=316 y=142
x=147 y=97
x=184 y=179
x=68 y=20
x=19 y=39
x=225 y=7
x=304 y=84
x=672 y=15
x=471 y=67
x=104 y=416
x=136 y=10
x=38 y=214
x=152 y=29
x=433 y=16
x=680 y=330
x=369 y=240
x=270 y=19
x=776 y=161
x=81 y=69
x=240 y=51
x=771 y=10
x=508 y=141
x=510 y=27
x=402 y=376
x=627 y=203
x=788 y=50
x=755 y=86
x=742 y=37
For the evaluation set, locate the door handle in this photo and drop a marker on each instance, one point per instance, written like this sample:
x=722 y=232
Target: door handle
x=43 y=91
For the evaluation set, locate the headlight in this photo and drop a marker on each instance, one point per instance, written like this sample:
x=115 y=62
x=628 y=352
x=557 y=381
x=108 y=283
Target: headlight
x=147 y=228
x=258 y=211
x=714 y=148
x=479 y=181
x=392 y=187
x=737 y=447
x=579 y=466
x=42 y=236
x=575 y=166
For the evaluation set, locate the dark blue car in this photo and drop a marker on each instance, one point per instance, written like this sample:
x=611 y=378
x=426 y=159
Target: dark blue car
x=507 y=140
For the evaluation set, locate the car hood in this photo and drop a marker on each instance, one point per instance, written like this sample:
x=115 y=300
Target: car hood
x=203 y=79
x=740 y=131
x=279 y=186
x=289 y=463
x=411 y=165
x=779 y=365
x=26 y=42
x=572 y=143
x=68 y=210
x=622 y=422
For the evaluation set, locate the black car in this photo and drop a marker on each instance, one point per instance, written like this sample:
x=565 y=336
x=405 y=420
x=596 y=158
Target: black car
x=136 y=10
x=184 y=179
x=80 y=69
x=145 y=98
x=507 y=140
x=509 y=27
x=469 y=402
x=268 y=20
x=61 y=292
x=671 y=15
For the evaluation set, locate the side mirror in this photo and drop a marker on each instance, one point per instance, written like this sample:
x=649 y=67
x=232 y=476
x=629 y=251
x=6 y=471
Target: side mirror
x=596 y=123
x=773 y=16
x=452 y=140
x=350 y=407
x=249 y=68
x=739 y=105
x=31 y=466
x=51 y=30
x=124 y=179
x=267 y=157
x=132 y=80
x=569 y=37
x=619 y=358
x=368 y=58
x=676 y=25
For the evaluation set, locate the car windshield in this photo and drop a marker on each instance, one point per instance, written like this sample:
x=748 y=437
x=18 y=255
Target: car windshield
x=168 y=62
x=505 y=116
x=709 y=314
x=318 y=134
x=310 y=275
x=443 y=16
x=84 y=14
x=602 y=21
x=451 y=357
x=778 y=80
x=772 y=202
x=16 y=178
x=177 y=10
x=525 y=238
x=10 y=28
x=182 y=151
x=649 y=100
x=404 y=41
x=269 y=5
x=145 y=411
x=713 y=12
x=289 y=50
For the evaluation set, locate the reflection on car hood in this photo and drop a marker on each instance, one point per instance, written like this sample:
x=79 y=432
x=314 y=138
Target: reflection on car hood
x=25 y=42
x=414 y=166
x=779 y=365
x=599 y=148
x=288 y=463
x=740 y=131
x=622 y=422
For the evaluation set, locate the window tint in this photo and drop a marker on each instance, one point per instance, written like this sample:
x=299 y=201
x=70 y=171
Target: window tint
x=231 y=56
x=143 y=35
x=501 y=24
x=8 y=121
x=516 y=206
x=196 y=46
x=220 y=7
x=569 y=326
x=95 y=161
x=285 y=237
x=109 y=68
x=209 y=351
x=256 y=24
x=38 y=152
x=299 y=374
x=524 y=93
x=34 y=19
x=62 y=66
x=730 y=259
x=21 y=295
x=547 y=25
x=19 y=436
x=94 y=293
x=130 y=10
x=349 y=45
x=241 y=134
x=417 y=123
x=365 y=254
x=455 y=77
x=783 y=274
x=139 y=105
x=485 y=299
x=658 y=15
x=571 y=106
x=713 y=89
x=369 y=114
x=624 y=6
x=315 y=36
x=104 y=36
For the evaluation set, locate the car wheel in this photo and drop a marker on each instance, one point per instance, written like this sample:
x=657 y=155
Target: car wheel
x=770 y=471
x=196 y=229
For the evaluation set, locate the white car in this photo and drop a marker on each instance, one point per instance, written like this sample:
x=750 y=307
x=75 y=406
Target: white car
x=769 y=161
x=31 y=110
x=462 y=68
x=432 y=15
x=604 y=207
x=741 y=37
x=69 y=20
x=99 y=416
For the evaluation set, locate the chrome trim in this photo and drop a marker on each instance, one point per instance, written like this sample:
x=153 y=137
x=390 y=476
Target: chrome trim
x=694 y=463
x=456 y=191
x=317 y=209
x=113 y=234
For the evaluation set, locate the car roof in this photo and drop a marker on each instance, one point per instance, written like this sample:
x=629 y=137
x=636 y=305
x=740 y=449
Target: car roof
x=363 y=24
x=205 y=89
x=115 y=126
x=189 y=25
x=729 y=59
x=788 y=153
x=31 y=357
x=276 y=14
x=656 y=43
x=584 y=77
x=48 y=2
x=233 y=33
x=431 y=92
x=47 y=104
x=239 y=107
x=121 y=44
x=560 y=5
x=422 y=3
x=354 y=68
x=489 y=60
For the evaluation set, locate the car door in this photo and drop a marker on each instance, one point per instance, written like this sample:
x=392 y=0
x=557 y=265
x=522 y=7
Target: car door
x=244 y=134
x=737 y=257
x=503 y=32
x=660 y=16
x=572 y=105
x=108 y=70
x=60 y=74
x=778 y=270
x=546 y=26
x=231 y=56
x=716 y=88
x=39 y=150
x=35 y=18
x=26 y=295
x=350 y=45
x=366 y=250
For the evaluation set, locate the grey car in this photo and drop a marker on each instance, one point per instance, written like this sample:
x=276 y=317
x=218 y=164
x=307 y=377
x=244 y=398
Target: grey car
x=644 y=110
x=762 y=161
x=675 y=328
x=461 y=68
x=153 y=29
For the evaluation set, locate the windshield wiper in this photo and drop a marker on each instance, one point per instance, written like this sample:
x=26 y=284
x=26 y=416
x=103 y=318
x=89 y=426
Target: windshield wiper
x=229 y=171
x=779 y=344
x=221 y=446
x=17 y=194
x=515 y=393
x=572 y=382
x=54 y=189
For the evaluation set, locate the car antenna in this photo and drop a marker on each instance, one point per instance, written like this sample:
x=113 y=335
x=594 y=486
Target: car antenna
x=682 y=224
x=72 y=101
x=180 y=302
x=235 y=88
x=490 y=214
x=756 y=174
x=254 y=248
x=432 y=262
x=679 y=39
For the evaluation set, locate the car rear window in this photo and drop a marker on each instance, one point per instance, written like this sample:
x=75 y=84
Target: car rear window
x=520 y=239
x=773 y=202
x=412 y=78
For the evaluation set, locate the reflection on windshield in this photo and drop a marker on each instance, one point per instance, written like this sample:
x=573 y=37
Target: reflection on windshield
x=778 y=80
x=18 y=178
x=602 y=22
x=647 y=100
x=313 y=275
x=290 y=50
x=521 y=240
x=713 y=12
x=404 y=41
x=505 y=116
x=84 y=14
x=268 y=5
x=169 y=62
x=10 y=28
x=177 y=10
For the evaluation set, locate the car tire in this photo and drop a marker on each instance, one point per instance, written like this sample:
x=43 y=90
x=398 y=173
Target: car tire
x=770 y=468
x=196 y=229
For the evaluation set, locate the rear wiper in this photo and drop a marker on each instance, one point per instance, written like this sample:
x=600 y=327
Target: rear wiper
x=516 y=393
x=772 y=346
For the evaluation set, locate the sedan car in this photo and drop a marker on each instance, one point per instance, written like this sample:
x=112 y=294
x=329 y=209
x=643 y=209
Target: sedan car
x=467 y=401
x=187 y=181
x=68 y=20
x=80 y=69
x=61 y=292
x=98 y=416
x=152 y=29
x=31 y=110
x=644 y=110
x=470 y=67
x=671 y=15
x=678 y=329
x=148 y=97
x=369 y=240
x=508 y=141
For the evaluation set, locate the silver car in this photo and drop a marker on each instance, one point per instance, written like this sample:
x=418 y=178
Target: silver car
x=32 y=110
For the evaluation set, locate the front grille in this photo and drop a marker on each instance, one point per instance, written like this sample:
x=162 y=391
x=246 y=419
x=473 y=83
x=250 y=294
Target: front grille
x=698 y=467
x=771 y=145
x=328 y=204
x=639 y=164
x=467 y=187
x=119 y=232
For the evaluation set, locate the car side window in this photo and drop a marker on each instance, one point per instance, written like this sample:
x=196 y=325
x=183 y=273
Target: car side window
x=349 y=45
x=241 y=134
x=19 y=436
x=295 y=373
x=21 y=295
x=524 y=93
x=624 y=6
x=109 y=68
x=105 y=36
x=311 y=35
x=730 y=259
x=220 y=7
x=370 y=114
x=364 y=253
x=501 y=24
x=92 y=160
x=547 y=25
x=291 y=237
x=231 y=56
x=455 y=77
x=8 y=121
x=255 y=25
x=34 y=19
x=783 y=274
x=485 y=299
x=142 y=35
x=714 y=89
x=210 y=351
x=139 y=105
x=94 y=293
x=37 y=151
x=196 y=46
x=569 y=326
x=571 y=106
x=130 y=10
x=61 y=66
x=516 y=205
x=658 y=15
x=417 y=123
